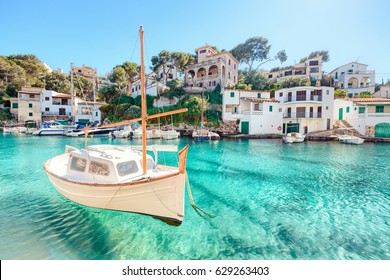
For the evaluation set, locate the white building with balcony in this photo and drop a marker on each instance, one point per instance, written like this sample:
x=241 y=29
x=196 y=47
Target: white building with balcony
x=255 y=110
x=153 y=87
x=369 y=116
x=310 y=69
x=354 y=78
x=306 y=109
x=211 y=69
x=55 y=105
x=88 y=112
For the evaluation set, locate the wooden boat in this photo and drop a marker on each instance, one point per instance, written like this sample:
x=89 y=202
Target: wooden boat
x=121 y=177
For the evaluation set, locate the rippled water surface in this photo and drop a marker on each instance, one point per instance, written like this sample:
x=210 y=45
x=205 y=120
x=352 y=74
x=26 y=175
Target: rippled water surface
x=271 y=201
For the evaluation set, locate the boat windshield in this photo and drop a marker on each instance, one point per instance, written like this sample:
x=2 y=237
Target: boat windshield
x=149 y=164
x=127 y=168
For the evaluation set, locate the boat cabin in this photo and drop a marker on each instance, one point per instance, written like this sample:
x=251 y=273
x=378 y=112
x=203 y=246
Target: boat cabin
x=107 y=165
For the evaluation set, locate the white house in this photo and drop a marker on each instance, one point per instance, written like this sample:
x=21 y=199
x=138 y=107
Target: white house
x=306 y=108
x=55 y=105
x=153 y=87
x=88 y=112
x=369 y=116
x=354 y=78
x=255 y=110
x=384 y=92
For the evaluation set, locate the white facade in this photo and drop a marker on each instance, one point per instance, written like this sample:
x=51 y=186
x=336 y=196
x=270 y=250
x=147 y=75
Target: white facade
x=55 y=105
x=88 y=112
x=256 y=111
x=363 y=114
x=384 y=92
x=306 y=109
x=153 y=88
x=310 y=69
x=354 y=78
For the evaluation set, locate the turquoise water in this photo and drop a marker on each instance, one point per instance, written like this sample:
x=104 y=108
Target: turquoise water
x=316 y=200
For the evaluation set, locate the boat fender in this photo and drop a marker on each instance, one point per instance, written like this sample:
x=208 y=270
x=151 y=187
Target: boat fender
x=279 y=127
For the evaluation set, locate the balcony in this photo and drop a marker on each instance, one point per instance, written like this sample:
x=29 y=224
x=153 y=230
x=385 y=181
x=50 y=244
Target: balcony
x=254 y=112
x=301 y=115
x=302 y=98
x=50 y=113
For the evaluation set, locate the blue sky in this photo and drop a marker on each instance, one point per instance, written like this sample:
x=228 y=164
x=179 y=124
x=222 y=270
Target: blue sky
x=103 y=34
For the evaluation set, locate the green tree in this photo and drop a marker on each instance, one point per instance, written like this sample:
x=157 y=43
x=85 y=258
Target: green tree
x=11 y=74
x=256 y=50
x=108 y=93
x=340 y=93
x=324 y=54
x=83 y=87
x=133 y=112
x=58 y=82
x=34 y=68
x=149 y=101
x=295 y=82
x=364 y=94
x=119 y=76
x=194 y=105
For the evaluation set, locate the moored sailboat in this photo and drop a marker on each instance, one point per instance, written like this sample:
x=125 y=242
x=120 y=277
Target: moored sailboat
x=122 y=178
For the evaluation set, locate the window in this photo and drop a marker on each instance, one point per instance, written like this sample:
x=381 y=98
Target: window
x=234 y=66
x=259 y=95
x=209 y=83
x=78 y=164
x=47 y=109
x=47 y=98
x=127 y=168
x=280 y=110
x=202 y=51
x=32 y=96
x=232 y=94
x=29 y=105
x=270 y=76
x=30 y=114
x=14 y=105
x=326 y=108
x=379 y=109
x=347 y=109
x=327 y=92
x=96 y=114
x=313 y=62
x=361 y=110
x=314 y=70
x=99 y=168
x=229 y=62
x=280 y=94
x=270 y=108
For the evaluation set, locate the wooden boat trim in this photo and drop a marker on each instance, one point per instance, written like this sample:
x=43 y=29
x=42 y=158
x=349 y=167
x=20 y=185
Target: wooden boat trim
x=141 y=181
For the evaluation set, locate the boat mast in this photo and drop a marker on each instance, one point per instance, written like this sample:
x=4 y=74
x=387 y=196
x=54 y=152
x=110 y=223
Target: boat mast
x=143 y=100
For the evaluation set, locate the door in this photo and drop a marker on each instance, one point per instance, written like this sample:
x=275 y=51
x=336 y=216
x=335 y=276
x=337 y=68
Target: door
x=292 y=127
x=245 y=127
x=62 y=111
x=341 y=114
x=382 y=130
x=328 y=124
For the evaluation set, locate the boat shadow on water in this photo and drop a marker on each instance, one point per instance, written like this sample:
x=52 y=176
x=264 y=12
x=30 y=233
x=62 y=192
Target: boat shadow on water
x=76 y=229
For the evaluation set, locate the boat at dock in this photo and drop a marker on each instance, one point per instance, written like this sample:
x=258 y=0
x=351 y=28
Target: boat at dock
x=349 y=138
x=293 y=137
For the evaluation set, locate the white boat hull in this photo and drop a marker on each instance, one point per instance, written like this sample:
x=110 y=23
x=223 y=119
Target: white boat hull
x=293 y=138
x=162 y=198
x=49 y=131
x=351 y=140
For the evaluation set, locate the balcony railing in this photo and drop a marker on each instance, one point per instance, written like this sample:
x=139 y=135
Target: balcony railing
x=50 y=113
x=254 y=112
x=295 y=115
x=302 y=98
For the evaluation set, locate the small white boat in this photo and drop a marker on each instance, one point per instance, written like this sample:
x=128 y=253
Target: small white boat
x=153 y=134
x=51 y=128
x=350 y=139
x=170 y=134
x=203 y=134
x=126 y=132
x=293 y=137
x=14 y=129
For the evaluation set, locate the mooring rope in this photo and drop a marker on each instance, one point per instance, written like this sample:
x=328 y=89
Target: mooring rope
x=196 y=208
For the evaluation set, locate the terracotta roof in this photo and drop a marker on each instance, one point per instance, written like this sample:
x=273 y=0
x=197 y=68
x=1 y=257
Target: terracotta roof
x=260 y=100
x=369 y=100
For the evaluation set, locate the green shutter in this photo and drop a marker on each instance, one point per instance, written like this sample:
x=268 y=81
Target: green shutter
x=30 y=114
x=347 y=109
x=232 y=94
x=270 y=108
x=379 y=109
x=361 y=110
x=29 y=105
x=259 y=95
x=15 y=105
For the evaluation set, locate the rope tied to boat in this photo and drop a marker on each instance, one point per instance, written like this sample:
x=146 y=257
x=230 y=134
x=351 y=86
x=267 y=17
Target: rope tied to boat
x=198 y=210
